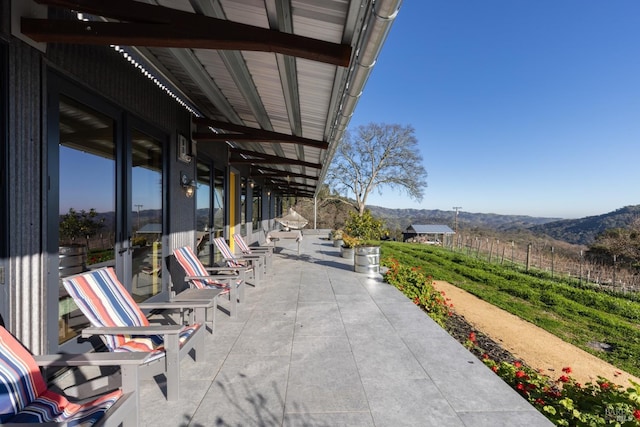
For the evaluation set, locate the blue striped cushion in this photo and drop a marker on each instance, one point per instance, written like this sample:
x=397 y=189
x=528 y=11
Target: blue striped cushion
x=193 y=267
x=52 y=407
x=24 y=396
x=102 y=298
x=225 y=250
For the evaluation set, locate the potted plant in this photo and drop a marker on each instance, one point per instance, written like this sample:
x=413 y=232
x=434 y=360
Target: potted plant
x=336 y=236
x=368 y=231
x=349 y=244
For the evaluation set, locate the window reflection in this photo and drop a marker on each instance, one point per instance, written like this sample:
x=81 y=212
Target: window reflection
x=203 y=213
x=86 y=200
x=146 y=190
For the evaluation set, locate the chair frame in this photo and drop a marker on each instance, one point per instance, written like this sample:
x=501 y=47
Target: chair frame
x=253 y=267
x=236 y=293
x=169 y=365
x=125 y=411
x=265 y=252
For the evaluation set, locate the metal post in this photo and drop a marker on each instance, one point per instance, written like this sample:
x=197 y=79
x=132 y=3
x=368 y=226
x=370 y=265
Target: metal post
x=315 y=212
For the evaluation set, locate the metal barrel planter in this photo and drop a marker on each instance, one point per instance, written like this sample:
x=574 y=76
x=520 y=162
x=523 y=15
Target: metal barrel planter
x=367 y=259
x=347 y=253
x=73 y=260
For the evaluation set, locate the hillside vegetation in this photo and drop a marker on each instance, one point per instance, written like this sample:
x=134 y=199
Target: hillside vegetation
x=583 y=231
x=604 y=324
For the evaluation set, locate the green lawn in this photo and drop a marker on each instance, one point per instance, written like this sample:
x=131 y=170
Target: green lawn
x=576 y=312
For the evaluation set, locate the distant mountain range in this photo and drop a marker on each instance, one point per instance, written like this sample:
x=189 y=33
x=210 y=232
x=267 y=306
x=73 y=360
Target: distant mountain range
x=582 y=231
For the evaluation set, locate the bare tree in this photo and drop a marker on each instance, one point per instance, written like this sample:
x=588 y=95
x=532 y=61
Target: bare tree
x=375 y=157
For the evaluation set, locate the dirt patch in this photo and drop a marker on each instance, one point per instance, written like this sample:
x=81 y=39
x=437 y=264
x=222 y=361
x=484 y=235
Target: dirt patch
x=507 y=337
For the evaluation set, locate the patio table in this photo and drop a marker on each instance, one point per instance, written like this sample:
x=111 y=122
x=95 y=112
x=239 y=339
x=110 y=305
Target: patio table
x=277 y=235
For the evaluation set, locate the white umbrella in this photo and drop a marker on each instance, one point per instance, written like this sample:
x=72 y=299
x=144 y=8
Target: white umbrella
x=292 y=220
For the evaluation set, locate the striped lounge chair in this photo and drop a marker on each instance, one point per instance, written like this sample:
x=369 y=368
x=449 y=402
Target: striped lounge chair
x=250 y=264
x=201 y=277
x=119 y=321
x=265 y=252
x=25 y=397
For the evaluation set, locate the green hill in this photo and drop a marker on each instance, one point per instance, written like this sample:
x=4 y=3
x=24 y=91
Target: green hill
x=583 y=231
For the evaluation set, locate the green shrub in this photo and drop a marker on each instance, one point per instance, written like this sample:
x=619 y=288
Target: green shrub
x=364 y=227
x=418 y=288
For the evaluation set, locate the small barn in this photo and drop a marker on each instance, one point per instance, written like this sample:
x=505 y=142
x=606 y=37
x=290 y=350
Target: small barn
x=428 y=233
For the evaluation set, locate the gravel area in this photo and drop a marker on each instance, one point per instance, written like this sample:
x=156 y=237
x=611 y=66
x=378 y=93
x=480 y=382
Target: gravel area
x=507 y=337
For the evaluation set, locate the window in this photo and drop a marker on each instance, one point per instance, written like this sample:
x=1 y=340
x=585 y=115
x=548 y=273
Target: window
x=203 y=213
x=256 y=207
x=87 y=201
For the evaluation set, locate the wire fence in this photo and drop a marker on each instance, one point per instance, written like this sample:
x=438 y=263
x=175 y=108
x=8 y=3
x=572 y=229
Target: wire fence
x=614 y=277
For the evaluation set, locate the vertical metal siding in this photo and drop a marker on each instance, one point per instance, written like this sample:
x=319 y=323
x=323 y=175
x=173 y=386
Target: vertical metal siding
x=105 y=72
x=26 y=202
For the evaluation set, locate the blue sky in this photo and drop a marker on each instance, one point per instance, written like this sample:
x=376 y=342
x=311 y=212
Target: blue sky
x=520 y=107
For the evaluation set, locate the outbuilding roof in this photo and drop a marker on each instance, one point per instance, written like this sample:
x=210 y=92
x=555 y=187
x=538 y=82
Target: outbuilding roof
x=430 y=229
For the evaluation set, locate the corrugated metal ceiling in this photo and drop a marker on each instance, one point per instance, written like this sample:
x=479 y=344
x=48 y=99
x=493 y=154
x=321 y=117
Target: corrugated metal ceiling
x=266 y=90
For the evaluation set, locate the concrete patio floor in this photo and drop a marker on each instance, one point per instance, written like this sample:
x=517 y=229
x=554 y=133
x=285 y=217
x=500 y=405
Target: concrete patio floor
x=320 y=345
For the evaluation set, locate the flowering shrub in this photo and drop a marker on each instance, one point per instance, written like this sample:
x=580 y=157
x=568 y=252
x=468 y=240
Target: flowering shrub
x=418 y=287
x=364 y=227
x=349 y=242
x=568 y=403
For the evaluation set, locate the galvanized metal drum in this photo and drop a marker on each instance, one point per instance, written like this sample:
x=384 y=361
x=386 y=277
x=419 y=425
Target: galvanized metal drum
x=367 y=259
x=73 y=260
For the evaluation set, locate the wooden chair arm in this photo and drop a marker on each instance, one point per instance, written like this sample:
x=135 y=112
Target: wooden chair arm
x=91 y=359
x=133 y=330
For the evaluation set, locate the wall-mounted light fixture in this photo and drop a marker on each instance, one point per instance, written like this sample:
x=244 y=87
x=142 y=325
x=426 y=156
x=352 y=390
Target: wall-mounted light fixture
x=188 y=184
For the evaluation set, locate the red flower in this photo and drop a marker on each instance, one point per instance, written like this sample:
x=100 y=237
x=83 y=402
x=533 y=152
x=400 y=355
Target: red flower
x=520 y=386
x=520 y=374
x=566 y=369
x=636 y=414
x=540 y=402
x=472 y=336
x=485 y=356
x=605 y=385
x=564 y=379
x=494 y=368
x=517 y=364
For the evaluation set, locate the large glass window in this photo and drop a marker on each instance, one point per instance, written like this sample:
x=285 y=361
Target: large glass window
x=256 y=218
x=146 y=223
x=218 y=208
x=203 y=213
x=243 y=206
x=110 y=201
x=219 y=203
x=87 y=201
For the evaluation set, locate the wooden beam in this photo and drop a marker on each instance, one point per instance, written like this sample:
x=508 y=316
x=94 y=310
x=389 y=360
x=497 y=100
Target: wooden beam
x=289 y=184
x=237 y=137
x=258 y=134
x=261 y=158
x=280 y=173
x=158 y=26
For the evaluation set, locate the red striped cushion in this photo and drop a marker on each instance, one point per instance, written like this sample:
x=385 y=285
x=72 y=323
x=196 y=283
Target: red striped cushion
x=102 y=298
x=193 y=267
x=24 y=394
x=225 y=250
x=241 y=244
